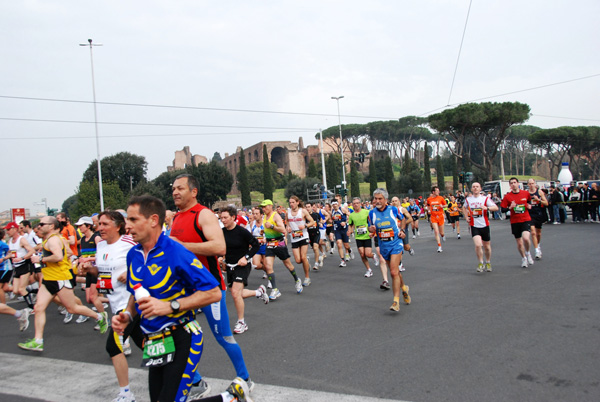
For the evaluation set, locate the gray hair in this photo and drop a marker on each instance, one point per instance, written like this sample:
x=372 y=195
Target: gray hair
x=356 y=198
x=381 y=191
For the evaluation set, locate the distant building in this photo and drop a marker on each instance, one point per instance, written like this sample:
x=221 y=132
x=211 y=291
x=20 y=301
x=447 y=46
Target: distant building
x=185 y=158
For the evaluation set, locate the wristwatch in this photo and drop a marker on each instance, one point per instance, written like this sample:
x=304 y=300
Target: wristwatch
x=175 y=306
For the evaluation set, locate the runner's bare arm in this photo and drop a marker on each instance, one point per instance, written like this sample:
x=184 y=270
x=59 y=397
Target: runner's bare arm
x=215 y=242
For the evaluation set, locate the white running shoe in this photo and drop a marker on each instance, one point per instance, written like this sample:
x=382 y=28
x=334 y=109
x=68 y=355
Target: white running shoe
x=265 y=276
x=376 y=259
x=369 y=273
x=128 y=397
x=127 y=348
x=529 y=259
x=458 y=236
x=263 y=294
x=68 y=318
x=199 y=391
x=306 y=282
x=24 y=319
x=62 y=310
x=316 y=266
x=342 y=263
x=81 y=319
x=439 y=250
x=330 y=251
x=444 y=238
x=321 y=258
x=240 y=327
x=298 y=285
x=269 y=285
x=414 y=237
x=418 y=233
x=275 y=294
x=524 y=262
x=538 y=254
x=411 y=251
x=352 y=255
x=347 y=258
x=401 y=267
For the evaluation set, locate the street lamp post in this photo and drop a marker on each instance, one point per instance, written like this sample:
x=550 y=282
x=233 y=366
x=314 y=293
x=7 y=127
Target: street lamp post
x=337 y=98
x=96 y=121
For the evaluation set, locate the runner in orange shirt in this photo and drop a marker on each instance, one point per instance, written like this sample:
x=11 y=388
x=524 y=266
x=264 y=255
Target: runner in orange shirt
x=435 y=208
x=454 y=215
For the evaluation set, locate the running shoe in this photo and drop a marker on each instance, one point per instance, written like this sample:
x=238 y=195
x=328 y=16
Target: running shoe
x=306 y=282
x=103 y=322
x=418 y=233
x=369 y=273
x=351 y=255
x=401 y=267
x=458 y=236
x=376 y=259
x=250 y=384
x=330 y=251
x=127 y=348
x=269 y=285
x=395 y=306
x=265 y=276
x=263 y=294
x=68 y=318
x=443 y=238
x=199 y=390
x=275 y=293
x=480 y=267
x=240 y=327
x=524 y=262
x=538 y=253
x=405 y=294
x=32 y=345
x=342 y=263
x=316 y=266
x=439 y=250
x=411 y=251
x=62 y=310
x=128 y=397
x=321 y=258
x=240 y=390
x=414 y=237
x=529 y=259
x=488 y=266
x=81 y=319
x=24 y=319
x=347 y=257
x=384 y=285
x=298 y=285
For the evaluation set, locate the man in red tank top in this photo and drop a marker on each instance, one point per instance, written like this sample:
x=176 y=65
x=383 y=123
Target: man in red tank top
x=197 y=228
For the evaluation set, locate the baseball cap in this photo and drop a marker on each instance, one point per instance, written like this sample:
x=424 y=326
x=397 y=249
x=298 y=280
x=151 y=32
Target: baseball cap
x=265 y=203
x=11 y=225
x=84 y=220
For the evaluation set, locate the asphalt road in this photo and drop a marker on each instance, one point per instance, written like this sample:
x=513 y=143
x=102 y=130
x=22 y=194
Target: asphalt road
x=512 y=334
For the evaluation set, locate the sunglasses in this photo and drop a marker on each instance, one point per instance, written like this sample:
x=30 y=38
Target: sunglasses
x=43 y=223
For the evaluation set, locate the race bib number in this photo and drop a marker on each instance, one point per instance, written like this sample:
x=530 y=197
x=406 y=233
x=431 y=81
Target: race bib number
x=261 y=240
x=386 y=234
x=104 y=284
x=435 y=208
x=477 y=212
x=273 y=243
x=159 y=350
x=361 y=230
x=519 y=209
x=296 y=234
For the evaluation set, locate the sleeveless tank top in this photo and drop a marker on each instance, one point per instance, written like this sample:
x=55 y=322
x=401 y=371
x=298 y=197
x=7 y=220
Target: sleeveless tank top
x=56 y=271
x=295 y=220
x=17 y=251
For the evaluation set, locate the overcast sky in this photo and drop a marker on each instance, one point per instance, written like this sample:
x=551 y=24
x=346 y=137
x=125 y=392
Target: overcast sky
x=388 y=59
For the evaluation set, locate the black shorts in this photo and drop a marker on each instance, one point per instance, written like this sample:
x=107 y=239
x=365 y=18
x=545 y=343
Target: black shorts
x=55 y=286
x=483 y=232
x=238 y=274
x=453 y=219
x=90 y=280
x=300 y=243
x=520 y=227
x=73 y=279
x=133 y=331
x=363 y=243
x=329 y=230
x=376 y=241
x=22 y=269
x=314 y=237
x=415 y=218
x=6 y=276
x=341 y=235
x=280 y=252
x=537 y=221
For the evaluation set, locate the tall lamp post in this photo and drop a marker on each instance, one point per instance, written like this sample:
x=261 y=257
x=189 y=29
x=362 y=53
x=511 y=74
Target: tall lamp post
x=337 y=98
x=96 y=121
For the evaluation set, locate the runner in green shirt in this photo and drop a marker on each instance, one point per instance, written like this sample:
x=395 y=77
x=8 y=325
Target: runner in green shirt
x=358 y=221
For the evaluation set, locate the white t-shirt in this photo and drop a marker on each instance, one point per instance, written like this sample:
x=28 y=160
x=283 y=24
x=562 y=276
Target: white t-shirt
x=295 y=222
x=479 y=218
x=111 y=260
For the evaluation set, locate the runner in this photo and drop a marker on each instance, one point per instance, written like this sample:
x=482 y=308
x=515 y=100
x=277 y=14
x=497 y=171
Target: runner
x=258 y=231
x=538 y=217
x=323 y=217
x=403 y=224
x=519 y=203
x=274 y=236
x=21 y=252
x=176 y=284
x=385 y=226
x=314 y=237
x=329 y=227
x=241 y=247
x=57 y=274
x=89 y=241
x=199 y=230
x=340 y=230
x=415 y=212
x=435 y=205
x=109 y=267
x=358 y=222
x=298 y=220
x=454 y=215
x=475 y=210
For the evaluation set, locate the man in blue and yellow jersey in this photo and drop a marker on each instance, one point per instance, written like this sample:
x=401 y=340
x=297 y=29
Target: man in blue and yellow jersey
x=177 y=284
x=383 y=221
